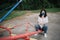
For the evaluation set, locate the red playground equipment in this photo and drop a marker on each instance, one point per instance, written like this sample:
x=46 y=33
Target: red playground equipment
x=25 y=36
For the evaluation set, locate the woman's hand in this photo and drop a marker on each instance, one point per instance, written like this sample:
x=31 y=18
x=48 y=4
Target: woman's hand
x=41 y=23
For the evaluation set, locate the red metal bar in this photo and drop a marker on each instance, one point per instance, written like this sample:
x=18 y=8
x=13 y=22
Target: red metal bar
x=27 y=38
x=19 y=36
x=24 y=36
x=27 y=26
x=6 y=29
x=30 y=24
x=17 y=25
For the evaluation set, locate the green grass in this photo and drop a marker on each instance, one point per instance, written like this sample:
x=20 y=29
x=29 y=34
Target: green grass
x=48 y=10
x=35 y=11
x=53 y=10
x=15 y=14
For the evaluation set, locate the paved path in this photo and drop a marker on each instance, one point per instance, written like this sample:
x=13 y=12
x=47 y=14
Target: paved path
x=53 y=25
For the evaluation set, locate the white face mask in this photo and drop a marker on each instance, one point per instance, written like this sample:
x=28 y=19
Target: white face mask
x=43 y=11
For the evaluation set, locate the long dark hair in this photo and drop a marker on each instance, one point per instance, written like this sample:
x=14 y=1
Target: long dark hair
x=45 y=14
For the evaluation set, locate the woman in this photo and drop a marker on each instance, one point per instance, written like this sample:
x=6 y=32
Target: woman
x=42 y=22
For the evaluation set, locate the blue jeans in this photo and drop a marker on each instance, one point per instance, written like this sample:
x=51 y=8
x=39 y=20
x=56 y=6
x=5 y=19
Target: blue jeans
x=37 y=27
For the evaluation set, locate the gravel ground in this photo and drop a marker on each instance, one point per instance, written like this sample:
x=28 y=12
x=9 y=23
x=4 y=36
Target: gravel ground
x=53 y=25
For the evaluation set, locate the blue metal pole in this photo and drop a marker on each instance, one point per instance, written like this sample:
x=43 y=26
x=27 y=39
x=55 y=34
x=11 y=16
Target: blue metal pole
x=9 y=12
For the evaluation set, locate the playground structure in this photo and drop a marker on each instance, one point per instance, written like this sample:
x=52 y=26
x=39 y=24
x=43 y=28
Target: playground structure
x=16 y=37
x=25 y=36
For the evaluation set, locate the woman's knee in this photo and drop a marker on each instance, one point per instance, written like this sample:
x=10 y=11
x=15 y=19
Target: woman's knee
x=36 y=27
x=45 y=27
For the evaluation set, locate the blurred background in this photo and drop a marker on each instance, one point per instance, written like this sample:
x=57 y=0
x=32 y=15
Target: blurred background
x=29 y=5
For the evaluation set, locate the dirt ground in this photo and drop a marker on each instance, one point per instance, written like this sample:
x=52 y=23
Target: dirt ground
x=53 y=25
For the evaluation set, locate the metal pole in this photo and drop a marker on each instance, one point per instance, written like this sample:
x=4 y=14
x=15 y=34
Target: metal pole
x=9 y=12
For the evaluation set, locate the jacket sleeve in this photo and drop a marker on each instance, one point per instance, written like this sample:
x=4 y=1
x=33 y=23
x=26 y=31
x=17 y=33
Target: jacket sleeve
x=46 y=20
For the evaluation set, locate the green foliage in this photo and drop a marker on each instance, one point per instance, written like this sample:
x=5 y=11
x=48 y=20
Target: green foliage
x=37 y=4
x=15 y=14
x=32 y=4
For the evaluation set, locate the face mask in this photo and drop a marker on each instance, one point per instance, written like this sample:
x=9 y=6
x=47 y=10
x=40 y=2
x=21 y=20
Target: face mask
x=43 y=14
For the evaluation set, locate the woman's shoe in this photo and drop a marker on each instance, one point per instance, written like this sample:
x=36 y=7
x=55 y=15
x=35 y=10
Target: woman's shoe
x=45 y=35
